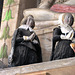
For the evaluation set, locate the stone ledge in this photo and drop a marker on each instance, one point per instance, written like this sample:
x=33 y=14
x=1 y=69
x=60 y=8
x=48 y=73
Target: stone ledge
x=39 y=67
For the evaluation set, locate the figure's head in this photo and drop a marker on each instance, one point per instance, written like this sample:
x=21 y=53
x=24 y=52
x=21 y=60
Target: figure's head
x=29 y=20
x=66 y=19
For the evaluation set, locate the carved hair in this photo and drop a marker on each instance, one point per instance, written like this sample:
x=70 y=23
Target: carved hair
x=67 y=19
x=25 y=20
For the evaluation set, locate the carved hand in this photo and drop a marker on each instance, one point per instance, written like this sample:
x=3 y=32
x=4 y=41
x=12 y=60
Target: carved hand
x=31 y=37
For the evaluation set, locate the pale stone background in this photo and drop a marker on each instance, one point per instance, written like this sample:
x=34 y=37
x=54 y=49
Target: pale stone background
x=44 y=34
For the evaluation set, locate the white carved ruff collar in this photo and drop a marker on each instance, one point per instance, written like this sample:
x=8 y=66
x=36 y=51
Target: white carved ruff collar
x=26 y=27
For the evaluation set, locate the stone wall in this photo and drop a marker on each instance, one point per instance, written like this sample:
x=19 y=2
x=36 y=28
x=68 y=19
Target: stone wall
x=45 y=37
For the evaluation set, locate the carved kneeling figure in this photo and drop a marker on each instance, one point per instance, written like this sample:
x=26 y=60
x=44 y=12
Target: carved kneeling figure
x=63 y=35
x=25 y=45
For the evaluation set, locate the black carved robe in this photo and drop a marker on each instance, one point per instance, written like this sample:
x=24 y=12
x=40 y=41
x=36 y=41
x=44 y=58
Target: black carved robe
x=25 y=52
x=60 y=48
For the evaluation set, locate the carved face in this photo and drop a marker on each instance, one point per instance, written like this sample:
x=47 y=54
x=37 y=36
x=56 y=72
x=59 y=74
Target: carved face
x=66 y=19
x=30 y=21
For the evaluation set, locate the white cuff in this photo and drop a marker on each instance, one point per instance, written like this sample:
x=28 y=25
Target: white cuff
x=26 y=38
x=62 y=36
x=70 y=35
x=35 y=41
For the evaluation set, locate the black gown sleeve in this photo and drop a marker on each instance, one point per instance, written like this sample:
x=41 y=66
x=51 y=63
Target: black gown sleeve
x=19 y=36
x=74 y=35
x=56 y=34
x=38 y=49
x=56 y=37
